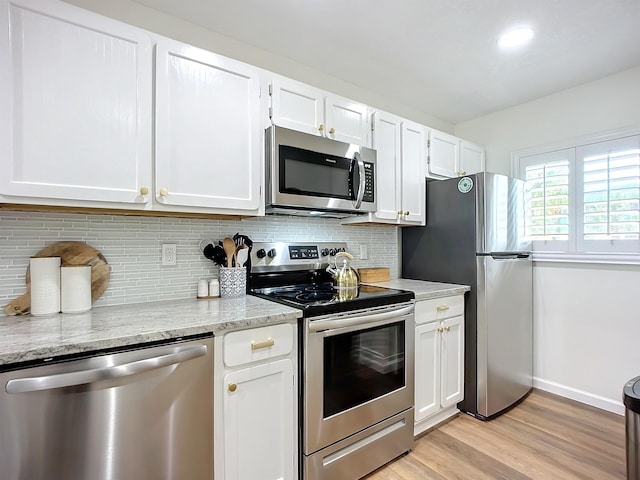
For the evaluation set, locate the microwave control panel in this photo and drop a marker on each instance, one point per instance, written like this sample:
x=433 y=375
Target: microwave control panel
x=369 y=182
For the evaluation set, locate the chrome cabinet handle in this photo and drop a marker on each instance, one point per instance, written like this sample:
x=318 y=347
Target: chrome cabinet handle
x=61 y=380
x=267 y=343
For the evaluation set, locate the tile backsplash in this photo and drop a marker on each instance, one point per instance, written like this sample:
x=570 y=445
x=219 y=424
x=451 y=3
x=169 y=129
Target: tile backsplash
x=133 y=245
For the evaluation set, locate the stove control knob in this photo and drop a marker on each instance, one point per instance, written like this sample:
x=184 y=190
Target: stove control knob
x=333 y=252
x=261 y=253
x=324 y=252
x=272 y=253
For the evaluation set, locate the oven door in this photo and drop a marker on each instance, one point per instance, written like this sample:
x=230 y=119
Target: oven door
x=358 y=372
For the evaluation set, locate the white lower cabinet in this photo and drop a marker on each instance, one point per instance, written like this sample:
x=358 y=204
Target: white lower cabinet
x=255 y=407
x=439 y=360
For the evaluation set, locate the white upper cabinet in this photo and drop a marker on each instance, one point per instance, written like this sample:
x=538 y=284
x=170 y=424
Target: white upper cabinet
x=450 y=156
x=471 y=158
x=75 y=107
x=400 y=184
x=307 y=109
x=444 y=152
x=413 y=181
x=208 y=132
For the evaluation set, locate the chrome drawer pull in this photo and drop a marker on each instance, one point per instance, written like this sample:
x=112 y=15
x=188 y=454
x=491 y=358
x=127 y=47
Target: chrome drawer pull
x=442 y=308
x=268 y=343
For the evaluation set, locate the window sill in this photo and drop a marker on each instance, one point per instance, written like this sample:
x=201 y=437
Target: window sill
x=600 y=258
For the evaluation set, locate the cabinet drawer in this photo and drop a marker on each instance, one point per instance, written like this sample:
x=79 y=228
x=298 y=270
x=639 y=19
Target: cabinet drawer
x=246 y=346
x=439 y=309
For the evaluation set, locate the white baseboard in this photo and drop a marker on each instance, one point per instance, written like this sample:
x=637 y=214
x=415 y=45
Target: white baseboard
x=580 y=396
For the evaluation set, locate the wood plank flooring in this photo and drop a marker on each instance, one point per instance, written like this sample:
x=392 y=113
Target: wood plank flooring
x=545 y=437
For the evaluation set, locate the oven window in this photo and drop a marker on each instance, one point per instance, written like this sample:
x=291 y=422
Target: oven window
x=362 y=365
x=311 y=173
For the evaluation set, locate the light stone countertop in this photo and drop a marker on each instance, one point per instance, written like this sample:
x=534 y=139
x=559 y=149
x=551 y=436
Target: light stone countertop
x=425 y=290
x=27 y=338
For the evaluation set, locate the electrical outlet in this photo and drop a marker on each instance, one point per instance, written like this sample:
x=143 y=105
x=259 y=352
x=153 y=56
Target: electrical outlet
x=169 y=253
x=363 y=252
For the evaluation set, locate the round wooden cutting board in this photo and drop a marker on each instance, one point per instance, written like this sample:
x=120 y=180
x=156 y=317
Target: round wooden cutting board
x=70 y=253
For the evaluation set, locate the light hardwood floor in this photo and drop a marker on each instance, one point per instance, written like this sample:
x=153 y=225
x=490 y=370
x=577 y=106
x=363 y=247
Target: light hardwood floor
x=545 y=437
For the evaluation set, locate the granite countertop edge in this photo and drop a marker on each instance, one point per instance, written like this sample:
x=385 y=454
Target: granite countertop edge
x=28 y=338
x=425 y=290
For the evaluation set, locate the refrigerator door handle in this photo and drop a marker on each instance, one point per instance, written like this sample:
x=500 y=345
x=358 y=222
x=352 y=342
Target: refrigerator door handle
x=505 y=256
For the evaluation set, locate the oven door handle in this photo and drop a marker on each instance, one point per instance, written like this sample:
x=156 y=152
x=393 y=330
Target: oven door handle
x=320 y=325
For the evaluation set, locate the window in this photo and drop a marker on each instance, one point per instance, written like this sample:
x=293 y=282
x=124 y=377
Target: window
x=584 y=199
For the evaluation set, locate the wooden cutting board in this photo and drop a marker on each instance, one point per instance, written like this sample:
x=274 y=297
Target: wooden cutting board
x=368 y=275
x=70 y=253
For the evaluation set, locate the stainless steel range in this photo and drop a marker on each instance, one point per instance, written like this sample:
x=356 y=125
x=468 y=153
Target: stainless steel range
x=356 y=360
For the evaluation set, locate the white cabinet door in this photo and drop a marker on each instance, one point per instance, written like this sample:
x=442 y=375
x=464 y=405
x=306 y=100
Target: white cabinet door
x=452 y=354
x=471 y=158
x=427 y=370
x=297 y=106
x=346 y=120
x=75 y=105
x=259 y=427
x=444 y=150
x=208 y=147
x=413 y=175
x=386 y=142
x=307 y=109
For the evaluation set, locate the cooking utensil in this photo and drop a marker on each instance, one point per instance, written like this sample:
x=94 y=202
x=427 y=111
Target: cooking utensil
x=240 y=249
x=229 y=247
x=70 y=253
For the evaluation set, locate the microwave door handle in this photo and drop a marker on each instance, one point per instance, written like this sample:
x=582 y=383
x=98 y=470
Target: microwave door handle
x=357 y=158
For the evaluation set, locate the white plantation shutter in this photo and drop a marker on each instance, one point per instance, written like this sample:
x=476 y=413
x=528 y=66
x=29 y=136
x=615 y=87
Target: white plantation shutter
x=549 y=204
x=610 y=196
x=585 y=200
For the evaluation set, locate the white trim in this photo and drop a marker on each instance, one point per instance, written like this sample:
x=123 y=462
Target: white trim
x=581 y=396
x=611 y=258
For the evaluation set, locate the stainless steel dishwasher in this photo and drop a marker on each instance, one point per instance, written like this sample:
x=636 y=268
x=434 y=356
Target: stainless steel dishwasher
x=144 y=413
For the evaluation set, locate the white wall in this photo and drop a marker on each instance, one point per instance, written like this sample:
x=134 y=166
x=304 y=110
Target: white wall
x=607 y=104
x=586 y=320
x=155 y=21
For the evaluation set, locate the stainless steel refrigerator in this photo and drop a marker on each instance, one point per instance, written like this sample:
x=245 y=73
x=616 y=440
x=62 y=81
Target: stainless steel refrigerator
x=475 y=236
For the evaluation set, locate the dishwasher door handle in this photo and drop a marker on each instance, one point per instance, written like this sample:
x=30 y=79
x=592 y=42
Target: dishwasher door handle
x=82 y=377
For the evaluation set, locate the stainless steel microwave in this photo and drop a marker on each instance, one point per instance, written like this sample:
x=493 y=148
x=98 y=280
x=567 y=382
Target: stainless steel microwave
x=311 y=175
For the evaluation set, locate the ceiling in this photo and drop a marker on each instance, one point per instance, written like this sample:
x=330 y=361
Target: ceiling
x=436 y=56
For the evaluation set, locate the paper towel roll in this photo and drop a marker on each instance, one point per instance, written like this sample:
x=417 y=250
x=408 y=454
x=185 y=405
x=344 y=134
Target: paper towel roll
x=45 y=285
x=75 y=290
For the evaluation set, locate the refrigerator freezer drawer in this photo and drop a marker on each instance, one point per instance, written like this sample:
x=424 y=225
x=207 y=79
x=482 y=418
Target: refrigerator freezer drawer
x=504 y=332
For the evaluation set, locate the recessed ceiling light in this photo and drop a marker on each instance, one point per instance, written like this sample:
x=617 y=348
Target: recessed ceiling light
x=516 y=37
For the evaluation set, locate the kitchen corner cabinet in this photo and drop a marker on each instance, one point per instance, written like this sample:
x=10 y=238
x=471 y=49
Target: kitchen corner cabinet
x=401 y=149
x=256 y=404
x=307 y=109
x=75 y=106
x=208 y=132
x=471 y=158
x=439 y=360
x=450 y=156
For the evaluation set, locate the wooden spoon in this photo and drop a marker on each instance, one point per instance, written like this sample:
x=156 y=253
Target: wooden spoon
x=229 y=247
